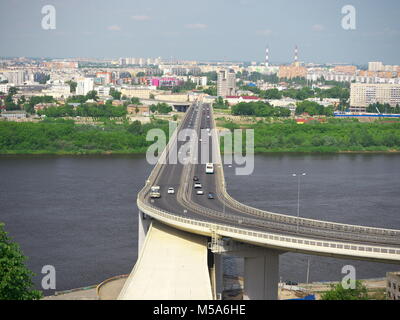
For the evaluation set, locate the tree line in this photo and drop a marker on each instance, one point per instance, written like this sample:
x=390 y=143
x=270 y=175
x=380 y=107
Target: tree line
x=259 y=109
x=65 y=137
x=334 y=136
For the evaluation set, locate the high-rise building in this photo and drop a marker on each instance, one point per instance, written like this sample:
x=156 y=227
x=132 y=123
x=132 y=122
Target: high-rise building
x=105 y=77
x=226 y=83
x=16 y=77
x=84 y=85
x=350 y=70
x=293 y=71
x=362 y=95
x=376 y=66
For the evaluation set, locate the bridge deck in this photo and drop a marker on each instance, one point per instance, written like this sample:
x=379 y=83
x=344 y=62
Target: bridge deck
x=171 y=266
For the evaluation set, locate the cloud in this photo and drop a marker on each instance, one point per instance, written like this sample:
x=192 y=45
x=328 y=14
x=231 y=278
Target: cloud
x=318 y=27
x=265 y=32
x=114 y=28
x=196 y=26
x=140 y=18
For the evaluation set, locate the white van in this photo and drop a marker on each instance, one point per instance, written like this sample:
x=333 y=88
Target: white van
x=210 y=168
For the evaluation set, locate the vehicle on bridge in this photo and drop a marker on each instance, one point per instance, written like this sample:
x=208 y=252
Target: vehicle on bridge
x=210 y=168
x=155 y=192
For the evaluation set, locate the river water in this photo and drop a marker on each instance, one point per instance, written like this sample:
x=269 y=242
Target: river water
x=79 y=214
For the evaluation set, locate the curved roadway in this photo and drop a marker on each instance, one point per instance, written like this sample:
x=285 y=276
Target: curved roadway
x=186 y=203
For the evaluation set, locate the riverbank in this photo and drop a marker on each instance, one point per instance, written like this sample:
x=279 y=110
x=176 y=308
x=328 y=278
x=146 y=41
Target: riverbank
x=332 y=136
x=64 y=137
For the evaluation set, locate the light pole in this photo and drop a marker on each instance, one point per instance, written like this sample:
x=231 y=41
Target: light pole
x=298 y=196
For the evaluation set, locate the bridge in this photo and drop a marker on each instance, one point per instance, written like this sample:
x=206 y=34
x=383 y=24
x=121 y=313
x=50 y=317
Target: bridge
x=224 y=226
x=177 y=106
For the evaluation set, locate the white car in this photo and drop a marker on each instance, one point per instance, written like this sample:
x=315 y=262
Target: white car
x=200 y=192
x=197 y=185
x=171 y=190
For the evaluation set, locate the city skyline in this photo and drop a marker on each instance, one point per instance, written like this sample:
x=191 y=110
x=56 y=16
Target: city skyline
x=224 y=30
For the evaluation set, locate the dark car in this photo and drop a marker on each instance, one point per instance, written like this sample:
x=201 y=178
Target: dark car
x=195 y=178
x=210 y=195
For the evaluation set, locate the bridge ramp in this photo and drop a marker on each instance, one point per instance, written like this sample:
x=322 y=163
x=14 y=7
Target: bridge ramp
x=171 y=266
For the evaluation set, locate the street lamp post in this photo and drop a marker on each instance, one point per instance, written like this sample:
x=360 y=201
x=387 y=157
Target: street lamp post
x=298 y=196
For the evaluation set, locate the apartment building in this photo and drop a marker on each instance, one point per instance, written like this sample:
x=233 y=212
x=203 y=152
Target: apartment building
x=226 y=83
x=362 y=95
x=58 y=91
x=84 y=85
x=350 y=70
x=16 y=77
x=138 y=92
x=292 y=71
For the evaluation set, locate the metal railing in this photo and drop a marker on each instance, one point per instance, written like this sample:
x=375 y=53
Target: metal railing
x=219 y=228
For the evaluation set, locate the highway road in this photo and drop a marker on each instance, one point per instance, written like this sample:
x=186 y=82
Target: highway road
x=186 y=203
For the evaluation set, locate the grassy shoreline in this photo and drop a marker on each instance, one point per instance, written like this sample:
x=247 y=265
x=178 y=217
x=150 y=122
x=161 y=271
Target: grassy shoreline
x=143 y=153
x=64 y=138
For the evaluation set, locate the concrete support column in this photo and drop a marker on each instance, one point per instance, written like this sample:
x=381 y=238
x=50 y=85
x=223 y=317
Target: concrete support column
x=261 y=276
x=143 y=226
x=219 y=276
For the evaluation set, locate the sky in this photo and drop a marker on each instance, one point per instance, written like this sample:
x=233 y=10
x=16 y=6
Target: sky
x=236 y=30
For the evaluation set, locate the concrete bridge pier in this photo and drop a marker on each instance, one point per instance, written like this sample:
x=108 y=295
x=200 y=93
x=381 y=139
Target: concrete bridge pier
x=218 y=276
x=261 y=276
x=143 y=226
x=261 y=268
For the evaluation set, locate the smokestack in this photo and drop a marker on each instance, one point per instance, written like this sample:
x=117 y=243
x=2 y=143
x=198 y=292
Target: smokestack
x=296 y=55
x=267 y=57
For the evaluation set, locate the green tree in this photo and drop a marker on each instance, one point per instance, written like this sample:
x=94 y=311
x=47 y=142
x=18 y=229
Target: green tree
x=115 y=94
x=220 y=103
x=92 y=95
x=161 y=108
x=211 y=91
x=271 y=94
x=135 y=128
x=337 y=292
x=12 y=91
x=72 y=86
x=136 y=100
x=15 y=277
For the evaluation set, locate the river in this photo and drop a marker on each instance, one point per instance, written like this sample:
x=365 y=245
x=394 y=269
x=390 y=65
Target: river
x=78 y=214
